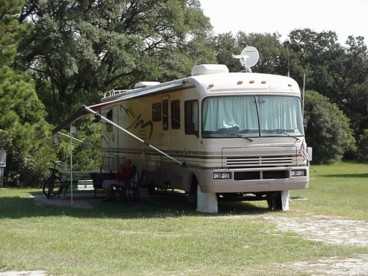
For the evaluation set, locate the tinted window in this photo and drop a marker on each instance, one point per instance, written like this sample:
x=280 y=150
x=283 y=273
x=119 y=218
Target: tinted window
x=156 y=112
x=165 y=114
x=191 y=117
x=175 y=114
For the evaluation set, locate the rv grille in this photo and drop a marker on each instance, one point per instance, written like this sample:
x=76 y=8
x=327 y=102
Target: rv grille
x=261 y=175
x=258 y=161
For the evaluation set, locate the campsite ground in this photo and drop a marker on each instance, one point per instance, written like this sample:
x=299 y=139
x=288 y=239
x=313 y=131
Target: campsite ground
x=333 y=230
x=324 y=233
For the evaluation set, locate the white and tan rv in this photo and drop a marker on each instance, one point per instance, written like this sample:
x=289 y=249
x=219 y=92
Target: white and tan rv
x=214 y=134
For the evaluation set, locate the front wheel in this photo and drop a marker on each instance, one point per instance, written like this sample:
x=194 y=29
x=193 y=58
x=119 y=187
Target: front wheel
x=192 y=195
x=274 y=201
x=52 y=187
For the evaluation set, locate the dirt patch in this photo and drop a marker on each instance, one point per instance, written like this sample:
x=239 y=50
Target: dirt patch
x=327 y=229
x=330 y=230
x=329 y=266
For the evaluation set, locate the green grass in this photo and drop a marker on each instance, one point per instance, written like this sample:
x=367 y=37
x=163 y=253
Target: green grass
x=338 y=189
x=167 y=237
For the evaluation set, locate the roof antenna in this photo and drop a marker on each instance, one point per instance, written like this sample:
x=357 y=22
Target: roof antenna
x=248 y=58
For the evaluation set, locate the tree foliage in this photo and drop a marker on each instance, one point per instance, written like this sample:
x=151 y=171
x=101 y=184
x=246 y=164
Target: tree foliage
x=340 y=73
x=23 y=129
x=363 y=146
x=328 y=131
x=272 y=53
x=88 y=47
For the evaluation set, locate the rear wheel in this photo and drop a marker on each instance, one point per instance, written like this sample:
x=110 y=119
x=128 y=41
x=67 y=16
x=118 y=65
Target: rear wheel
x=52 y=187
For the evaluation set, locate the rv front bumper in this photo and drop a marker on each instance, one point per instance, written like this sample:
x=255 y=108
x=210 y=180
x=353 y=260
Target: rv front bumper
x=251 y=180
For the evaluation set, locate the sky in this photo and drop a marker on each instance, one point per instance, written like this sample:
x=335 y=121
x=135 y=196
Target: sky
x=282 y=16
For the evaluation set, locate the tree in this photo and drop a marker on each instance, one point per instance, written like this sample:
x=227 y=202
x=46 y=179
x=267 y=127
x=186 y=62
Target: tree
x=86 y=47
x=319 y=57
x=328 y=131
x=226 y=45
x=273 y=56
x=363 y=146
x=23 y=130
x=354 y=93
x=340 y=73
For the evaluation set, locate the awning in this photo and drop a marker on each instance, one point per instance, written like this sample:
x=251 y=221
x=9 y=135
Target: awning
x=96 y=109
x=82 y=111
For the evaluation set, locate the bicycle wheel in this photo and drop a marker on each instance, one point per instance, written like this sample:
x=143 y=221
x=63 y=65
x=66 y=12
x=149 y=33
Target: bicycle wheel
x=52 y=187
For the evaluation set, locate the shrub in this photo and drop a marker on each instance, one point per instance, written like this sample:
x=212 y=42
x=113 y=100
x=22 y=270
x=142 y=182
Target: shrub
x=328 y=130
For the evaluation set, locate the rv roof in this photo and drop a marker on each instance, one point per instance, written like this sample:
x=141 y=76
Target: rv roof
x=246 y=82
x=212 y=78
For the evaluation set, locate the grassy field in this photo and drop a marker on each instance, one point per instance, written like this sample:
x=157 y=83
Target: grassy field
x=167 y=237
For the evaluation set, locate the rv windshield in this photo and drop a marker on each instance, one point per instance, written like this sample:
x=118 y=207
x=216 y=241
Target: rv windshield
x=251 y=116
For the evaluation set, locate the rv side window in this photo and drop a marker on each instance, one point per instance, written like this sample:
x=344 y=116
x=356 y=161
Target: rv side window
x=156 y=112
x=175 y=114
x=191 y=117
x=165 y=114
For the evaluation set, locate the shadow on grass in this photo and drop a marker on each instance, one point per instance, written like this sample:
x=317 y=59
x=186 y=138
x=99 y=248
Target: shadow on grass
x=348 y=175
x=158 y=205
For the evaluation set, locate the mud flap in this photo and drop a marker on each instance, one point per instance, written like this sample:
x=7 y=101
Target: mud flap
x=206 y=202
x=285 y=195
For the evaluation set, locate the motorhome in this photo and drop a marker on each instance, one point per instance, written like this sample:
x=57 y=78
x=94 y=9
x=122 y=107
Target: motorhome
x=214 y=134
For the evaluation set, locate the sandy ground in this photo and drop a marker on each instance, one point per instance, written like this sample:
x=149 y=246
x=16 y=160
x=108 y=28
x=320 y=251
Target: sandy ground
x=357 y=265
x=321 y=228
x=329 y=230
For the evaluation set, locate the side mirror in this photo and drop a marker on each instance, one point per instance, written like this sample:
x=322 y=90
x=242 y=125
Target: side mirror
x=305 y=123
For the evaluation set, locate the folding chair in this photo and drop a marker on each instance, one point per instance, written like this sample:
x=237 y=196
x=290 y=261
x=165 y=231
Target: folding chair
x=120 y=190
x=134 y=186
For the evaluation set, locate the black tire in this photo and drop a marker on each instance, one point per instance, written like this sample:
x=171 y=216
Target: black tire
x=52 y=187
x=192 y=195
x=44 y=187
x=274 y=201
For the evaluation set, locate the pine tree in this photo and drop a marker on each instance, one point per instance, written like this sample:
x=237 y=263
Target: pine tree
x=23 y=128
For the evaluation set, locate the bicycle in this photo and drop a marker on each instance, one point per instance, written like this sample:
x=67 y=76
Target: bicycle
x=54 y=185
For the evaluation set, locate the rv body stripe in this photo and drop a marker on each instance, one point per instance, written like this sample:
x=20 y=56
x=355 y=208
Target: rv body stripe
x=245 y=161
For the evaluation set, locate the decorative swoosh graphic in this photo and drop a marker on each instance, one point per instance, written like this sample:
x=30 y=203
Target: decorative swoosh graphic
x=137 y=120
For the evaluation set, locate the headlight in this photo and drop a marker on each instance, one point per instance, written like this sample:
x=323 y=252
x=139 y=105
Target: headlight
x=298 y=173
x=222 y=175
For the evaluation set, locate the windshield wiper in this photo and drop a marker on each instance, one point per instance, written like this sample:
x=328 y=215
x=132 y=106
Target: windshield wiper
x=245 y=137
x=239 y=136
x=289 y=135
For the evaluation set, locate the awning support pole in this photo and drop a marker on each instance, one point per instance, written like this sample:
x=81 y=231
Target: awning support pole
x=133 y=135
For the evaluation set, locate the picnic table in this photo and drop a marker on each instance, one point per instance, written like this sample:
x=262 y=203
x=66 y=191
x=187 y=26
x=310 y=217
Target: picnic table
x=88 y=180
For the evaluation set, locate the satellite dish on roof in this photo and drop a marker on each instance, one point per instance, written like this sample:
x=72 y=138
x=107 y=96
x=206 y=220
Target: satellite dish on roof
x=248 y=57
